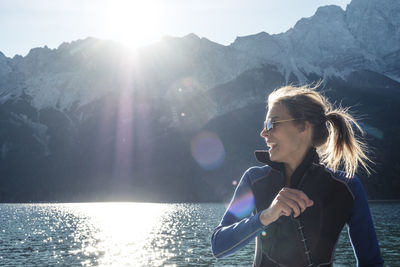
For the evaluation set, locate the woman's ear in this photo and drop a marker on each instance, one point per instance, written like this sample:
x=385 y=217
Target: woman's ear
x=306 y=126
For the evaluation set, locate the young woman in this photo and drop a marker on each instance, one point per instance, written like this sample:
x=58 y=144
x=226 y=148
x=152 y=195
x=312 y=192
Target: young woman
x=297 y=205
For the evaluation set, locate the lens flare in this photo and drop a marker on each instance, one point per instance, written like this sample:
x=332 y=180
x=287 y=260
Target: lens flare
x=243 y=205
x=375 y=132
x=208 y=150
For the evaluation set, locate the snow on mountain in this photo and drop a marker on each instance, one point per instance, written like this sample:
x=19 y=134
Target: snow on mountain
x=333 y=42
x=4 y=68
x=323 y=39
x=10 y=79
x=175 y=61
x=75 y=73
x=261 y=45
x=375 y=24
x=79 y=72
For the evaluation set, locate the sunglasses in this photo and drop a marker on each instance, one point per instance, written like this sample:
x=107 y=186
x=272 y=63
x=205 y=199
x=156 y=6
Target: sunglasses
x=269 y=124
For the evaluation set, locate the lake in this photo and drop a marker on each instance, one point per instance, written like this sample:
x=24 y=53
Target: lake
x=144 y=234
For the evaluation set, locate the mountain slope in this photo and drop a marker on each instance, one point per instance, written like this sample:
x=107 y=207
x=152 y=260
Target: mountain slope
x=92 y=120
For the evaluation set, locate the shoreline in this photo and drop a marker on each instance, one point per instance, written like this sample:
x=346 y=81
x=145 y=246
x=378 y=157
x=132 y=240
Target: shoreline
x=383 y=200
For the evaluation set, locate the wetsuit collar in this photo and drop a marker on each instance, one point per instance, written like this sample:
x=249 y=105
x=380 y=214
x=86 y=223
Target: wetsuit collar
x=310 y=158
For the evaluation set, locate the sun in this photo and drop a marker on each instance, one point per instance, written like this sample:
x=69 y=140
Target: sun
x=134 y=22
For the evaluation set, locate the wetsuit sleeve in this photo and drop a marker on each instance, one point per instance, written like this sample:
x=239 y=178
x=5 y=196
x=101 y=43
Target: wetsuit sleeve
x=361 y=229
x=238 y=226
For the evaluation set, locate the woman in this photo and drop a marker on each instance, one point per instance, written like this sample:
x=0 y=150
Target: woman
x=297 y=204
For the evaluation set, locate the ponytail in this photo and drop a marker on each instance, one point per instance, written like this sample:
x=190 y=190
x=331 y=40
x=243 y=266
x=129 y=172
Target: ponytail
x=343 y=148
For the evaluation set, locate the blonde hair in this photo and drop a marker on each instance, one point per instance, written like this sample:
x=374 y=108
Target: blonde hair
x=332 y=131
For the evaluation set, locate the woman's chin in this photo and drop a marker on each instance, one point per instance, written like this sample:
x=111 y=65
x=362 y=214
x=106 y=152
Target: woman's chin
x=272 y=155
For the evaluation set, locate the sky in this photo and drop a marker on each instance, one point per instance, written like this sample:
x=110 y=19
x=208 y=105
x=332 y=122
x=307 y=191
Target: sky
x=26 y=24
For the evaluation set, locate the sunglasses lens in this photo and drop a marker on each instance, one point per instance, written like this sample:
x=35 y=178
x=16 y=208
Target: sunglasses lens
x=268 y=125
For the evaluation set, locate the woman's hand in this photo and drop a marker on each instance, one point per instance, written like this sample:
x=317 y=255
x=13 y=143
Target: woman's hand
x=288 y=200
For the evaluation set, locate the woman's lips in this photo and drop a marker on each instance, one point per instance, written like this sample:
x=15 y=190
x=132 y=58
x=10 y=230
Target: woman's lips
x=271 y=146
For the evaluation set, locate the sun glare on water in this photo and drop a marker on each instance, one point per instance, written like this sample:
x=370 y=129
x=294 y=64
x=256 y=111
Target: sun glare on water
x=124 y=232
x=134 y=22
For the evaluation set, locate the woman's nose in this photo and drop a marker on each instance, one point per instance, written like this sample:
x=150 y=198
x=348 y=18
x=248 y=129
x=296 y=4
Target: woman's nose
x=264 y=133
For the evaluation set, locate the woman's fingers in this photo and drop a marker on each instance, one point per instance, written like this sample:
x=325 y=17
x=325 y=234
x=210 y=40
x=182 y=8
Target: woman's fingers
x=300 y=195
x=288 y=200
x=284 y=208
x=289 y=203
x=294 y=199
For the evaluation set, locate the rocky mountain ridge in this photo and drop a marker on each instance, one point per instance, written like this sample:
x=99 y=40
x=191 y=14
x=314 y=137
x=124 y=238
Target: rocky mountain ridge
x=332 y=43
x=93 y=120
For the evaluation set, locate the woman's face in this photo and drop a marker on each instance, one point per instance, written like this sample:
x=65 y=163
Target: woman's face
x=287 y=142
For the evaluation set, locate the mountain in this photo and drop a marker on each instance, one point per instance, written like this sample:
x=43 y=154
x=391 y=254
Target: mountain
x=178 y=120
x=334 y=42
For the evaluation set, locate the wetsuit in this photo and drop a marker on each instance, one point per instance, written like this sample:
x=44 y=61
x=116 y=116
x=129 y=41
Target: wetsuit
x=309 y=239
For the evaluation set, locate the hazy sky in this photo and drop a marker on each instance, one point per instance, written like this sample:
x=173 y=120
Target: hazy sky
x=25 y=24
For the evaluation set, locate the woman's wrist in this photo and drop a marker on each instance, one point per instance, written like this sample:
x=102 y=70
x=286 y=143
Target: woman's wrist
x=265 y=217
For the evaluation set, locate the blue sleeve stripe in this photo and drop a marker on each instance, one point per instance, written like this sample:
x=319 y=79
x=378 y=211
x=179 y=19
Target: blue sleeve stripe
x=232 y=249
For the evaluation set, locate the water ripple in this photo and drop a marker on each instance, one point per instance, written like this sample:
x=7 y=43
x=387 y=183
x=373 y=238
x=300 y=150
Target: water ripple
x=143 y=234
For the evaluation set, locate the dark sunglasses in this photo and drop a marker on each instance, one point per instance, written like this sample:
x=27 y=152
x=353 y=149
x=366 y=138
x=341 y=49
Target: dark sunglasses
x=269 y=124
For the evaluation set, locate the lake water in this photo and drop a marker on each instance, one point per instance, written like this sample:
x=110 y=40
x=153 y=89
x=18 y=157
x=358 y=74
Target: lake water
x=144 y=234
